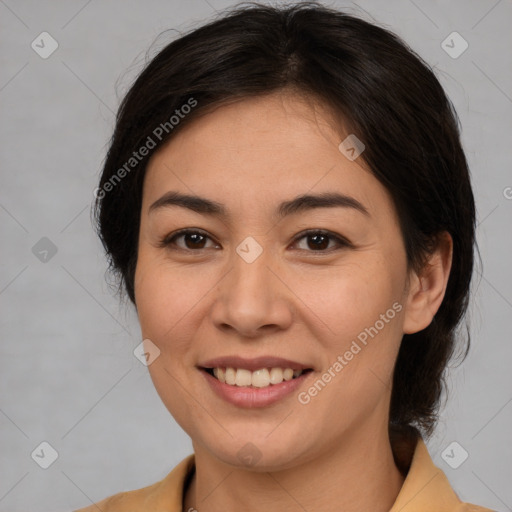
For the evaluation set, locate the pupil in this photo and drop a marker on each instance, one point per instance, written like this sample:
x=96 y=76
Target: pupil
x=322 y=245
x=195 y=237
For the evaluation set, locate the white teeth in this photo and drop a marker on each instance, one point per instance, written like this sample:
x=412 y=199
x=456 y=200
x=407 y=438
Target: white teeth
x=288 y=374
x=219 y=373
x=276 y=375
x=230 y=376
x=259 y=379
x=243 y=378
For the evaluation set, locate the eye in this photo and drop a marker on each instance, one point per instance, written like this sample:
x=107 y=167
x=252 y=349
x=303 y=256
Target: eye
x=318 y=240
x=192 y=239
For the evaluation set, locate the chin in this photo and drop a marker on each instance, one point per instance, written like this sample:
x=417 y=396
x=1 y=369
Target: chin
x=257 y=453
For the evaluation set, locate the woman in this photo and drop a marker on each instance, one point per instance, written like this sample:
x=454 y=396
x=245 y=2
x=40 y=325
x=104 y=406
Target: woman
x=287 y=204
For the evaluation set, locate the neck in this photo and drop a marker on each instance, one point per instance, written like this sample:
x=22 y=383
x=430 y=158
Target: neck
x=360 y=474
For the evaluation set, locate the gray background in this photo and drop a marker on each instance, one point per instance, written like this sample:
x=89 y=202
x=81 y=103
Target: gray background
x=68 y=373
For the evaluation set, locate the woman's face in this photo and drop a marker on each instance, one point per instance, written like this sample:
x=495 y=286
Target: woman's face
x=251 y=283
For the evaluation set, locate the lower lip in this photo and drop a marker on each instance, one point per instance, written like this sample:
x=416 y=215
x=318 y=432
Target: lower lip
x=250 y=397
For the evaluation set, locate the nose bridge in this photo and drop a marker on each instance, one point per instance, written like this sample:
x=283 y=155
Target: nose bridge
x=251 y=296
x=251 y=277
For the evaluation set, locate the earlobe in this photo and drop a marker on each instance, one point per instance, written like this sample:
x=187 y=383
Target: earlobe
x=427 y=289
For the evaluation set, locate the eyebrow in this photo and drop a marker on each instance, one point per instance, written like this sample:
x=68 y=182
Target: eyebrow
x=299 y=204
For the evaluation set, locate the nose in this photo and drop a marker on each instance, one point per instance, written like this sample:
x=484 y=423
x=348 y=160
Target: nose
x=252 y=299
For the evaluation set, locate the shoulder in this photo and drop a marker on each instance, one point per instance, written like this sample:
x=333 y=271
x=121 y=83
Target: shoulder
x=127 y=500
x=425 y=486
x=166 y=494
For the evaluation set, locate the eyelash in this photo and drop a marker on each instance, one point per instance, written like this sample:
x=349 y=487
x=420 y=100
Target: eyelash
x=169 y=240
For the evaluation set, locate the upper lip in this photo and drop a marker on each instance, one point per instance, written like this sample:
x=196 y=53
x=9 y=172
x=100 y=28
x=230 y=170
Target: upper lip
x=254 y=364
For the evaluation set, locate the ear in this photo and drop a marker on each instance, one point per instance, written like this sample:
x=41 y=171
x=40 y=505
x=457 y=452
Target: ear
x=426 y=290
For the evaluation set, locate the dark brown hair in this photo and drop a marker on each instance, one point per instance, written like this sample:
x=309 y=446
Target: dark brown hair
x=377 y=85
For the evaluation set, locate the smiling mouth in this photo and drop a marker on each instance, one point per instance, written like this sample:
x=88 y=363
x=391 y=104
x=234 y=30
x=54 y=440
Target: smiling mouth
x=262 y=378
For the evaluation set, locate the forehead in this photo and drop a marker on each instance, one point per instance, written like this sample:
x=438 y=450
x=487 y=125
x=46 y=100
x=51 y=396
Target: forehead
x=259 y=151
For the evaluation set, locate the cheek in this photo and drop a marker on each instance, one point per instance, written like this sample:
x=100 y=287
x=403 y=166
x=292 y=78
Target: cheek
x=165 y=296
x=359 y=327
x=349 y=298
x=358 y=321
x=166 y=299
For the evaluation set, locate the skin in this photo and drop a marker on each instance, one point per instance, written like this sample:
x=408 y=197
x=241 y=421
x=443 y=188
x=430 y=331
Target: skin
x=293 y=301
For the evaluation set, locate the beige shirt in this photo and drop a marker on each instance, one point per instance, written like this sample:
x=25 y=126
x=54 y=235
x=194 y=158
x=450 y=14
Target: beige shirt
x=425 y=489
